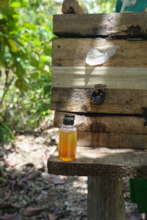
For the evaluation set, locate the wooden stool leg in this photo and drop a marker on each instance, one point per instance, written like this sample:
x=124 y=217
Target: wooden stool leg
x=105 y=198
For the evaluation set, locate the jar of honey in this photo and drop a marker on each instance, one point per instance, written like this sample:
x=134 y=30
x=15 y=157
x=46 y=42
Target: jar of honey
x=67 y=139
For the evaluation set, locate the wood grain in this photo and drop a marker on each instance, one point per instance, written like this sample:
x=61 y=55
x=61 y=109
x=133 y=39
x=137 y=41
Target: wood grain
x=126 y=69
x=108 y=131
x=101 y=162
x=72 y=52
x=112 y=77
x=106 y=124
x=117 y=101
x=101 y=192
x=92 y=25
x=112 y=140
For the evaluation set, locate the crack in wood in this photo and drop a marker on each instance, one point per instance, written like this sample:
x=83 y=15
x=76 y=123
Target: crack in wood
x=93 y=114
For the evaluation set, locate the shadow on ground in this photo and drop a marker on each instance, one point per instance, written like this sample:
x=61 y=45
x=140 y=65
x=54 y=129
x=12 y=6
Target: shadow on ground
x=29 y=192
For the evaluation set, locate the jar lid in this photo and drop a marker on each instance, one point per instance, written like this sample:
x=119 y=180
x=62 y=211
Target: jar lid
x=68 y=119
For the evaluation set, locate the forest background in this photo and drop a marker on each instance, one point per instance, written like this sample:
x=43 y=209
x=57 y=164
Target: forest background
x=25 y=61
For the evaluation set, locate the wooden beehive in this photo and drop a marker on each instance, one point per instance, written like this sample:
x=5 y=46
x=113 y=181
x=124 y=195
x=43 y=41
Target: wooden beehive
x=109 y=101
x=119 y=121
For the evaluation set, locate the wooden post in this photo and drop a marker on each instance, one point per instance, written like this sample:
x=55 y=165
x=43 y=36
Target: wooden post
x=105 y=198
x=72 y=7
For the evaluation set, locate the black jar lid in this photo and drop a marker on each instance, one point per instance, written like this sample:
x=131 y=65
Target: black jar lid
x=68 y=119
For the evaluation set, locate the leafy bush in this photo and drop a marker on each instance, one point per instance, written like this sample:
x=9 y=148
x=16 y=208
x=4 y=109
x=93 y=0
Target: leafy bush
x=99 y=6
x=25 y=60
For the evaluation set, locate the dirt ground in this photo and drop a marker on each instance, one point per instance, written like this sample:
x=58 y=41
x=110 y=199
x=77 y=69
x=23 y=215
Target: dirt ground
x=29 y=192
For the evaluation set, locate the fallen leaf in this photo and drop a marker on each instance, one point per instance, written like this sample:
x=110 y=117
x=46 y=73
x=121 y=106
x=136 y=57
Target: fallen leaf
x=30 y=176
x=51 y=217
x=32 y=211
x=63 y=214
x=8 y=206
x=56 y=180
x=24 y=164
x=11 y=217
x=18 y=217
x=7 y=195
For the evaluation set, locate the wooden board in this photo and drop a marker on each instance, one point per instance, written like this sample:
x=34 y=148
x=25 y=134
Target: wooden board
x=112 y=140
x=117 y=101
x=112 y=77
x=106 y=124
x=126 y=69
x=72 y=52
x=108 y=131
x=99 y=162
x=92 y=25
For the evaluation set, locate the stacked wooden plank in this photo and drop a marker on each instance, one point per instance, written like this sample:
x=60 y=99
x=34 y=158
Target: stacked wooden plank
x=119 y=121
x=109 y=101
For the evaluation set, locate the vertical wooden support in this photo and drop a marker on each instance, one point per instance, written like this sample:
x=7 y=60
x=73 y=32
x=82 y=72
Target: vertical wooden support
x=105 y=198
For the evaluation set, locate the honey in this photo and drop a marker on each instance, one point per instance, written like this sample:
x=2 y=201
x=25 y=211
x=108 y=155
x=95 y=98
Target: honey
x=67 y=145
x=67 y=141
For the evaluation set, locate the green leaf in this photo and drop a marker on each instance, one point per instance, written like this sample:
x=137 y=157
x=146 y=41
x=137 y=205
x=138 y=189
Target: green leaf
x=16 y=4
x=4 y=3
x=13 y=45
x=21 y=85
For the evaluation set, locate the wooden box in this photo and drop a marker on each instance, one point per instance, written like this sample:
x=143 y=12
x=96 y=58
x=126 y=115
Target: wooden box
x=117 y=119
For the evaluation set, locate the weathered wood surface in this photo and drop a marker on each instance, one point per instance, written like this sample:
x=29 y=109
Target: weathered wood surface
x=106 y=124
x=126 y=69
x=116 y=101
x=112 y=140
x=105 y=198
x=72 y=52
x=101 y=162
x=108 y=131
x=92 y=25
x=112 y=77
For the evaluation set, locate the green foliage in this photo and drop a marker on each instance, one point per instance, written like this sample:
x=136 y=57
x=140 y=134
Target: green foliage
x=99 y=6
x=27 y=109
x=6 y=133
x=25 y=38
x=25 y=60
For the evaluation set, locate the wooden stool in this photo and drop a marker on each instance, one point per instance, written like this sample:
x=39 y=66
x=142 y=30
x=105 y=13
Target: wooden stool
x=104 y=168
